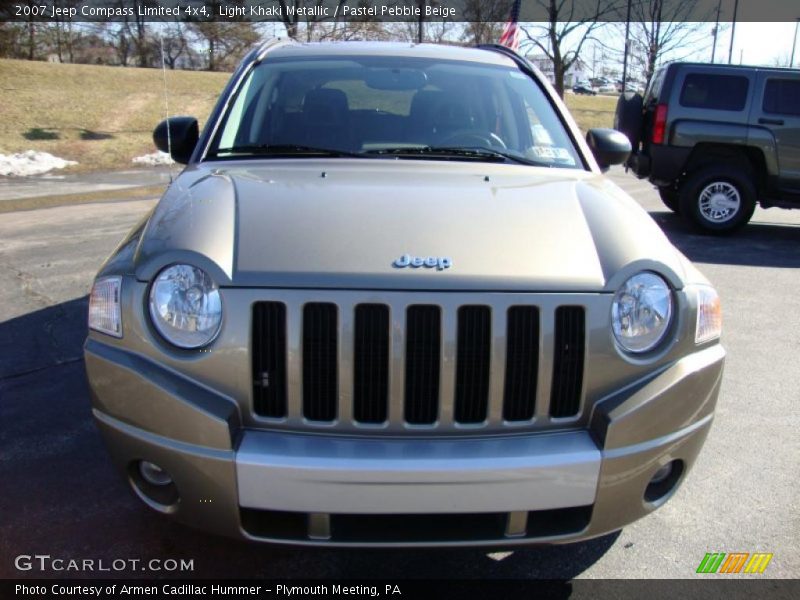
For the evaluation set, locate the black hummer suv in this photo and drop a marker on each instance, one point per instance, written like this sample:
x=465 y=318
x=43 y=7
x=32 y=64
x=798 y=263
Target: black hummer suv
x=716 y=139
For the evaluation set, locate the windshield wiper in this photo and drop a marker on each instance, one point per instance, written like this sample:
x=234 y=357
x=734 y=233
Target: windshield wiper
x=282 y=150
x=469 y=152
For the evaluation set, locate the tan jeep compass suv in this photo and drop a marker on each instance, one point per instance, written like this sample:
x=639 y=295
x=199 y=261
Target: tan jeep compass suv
x=392 y=300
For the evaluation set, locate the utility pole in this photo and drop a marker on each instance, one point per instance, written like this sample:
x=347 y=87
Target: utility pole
x=716 y=31
x=627 y=43
x=421 y=21
x=733 y=31
x=794 y=42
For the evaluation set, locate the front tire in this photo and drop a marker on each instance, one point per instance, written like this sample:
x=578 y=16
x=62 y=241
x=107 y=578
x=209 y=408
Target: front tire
x=718 y=199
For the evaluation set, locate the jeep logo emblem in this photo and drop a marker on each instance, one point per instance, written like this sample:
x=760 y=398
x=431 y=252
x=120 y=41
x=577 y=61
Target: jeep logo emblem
x=429 y=262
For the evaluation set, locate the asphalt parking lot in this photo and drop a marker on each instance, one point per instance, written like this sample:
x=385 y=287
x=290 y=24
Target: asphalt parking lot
x=61 y=497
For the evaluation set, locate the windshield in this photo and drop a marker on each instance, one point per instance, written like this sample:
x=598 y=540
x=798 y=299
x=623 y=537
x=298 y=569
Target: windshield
x=394 y=107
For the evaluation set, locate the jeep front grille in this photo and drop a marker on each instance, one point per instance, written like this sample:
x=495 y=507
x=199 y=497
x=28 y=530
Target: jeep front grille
x=568 y=361
x=522 y=361
x=423 y=352
x=472 y=363
x=320 y=346
x=269 y=358
x=418 y=366
x=371 y=363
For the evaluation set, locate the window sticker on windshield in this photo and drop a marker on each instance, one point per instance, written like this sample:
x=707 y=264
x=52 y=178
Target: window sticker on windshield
x=541 y=137
x=553 y=153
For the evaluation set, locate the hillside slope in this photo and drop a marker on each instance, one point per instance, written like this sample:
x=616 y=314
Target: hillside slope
x=100 y=116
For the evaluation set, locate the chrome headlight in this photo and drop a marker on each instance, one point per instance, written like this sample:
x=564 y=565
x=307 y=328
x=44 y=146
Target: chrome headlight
x=185 y=306
x=641 y=312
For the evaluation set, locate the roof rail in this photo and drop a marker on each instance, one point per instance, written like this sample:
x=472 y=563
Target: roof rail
x=271 y=44
x=522 y=62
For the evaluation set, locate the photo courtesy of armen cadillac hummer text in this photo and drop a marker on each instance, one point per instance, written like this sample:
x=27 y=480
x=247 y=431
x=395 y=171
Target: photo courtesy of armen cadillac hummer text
x=392 y=299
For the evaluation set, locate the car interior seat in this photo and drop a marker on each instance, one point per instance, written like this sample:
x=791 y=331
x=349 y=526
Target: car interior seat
x=326 y=119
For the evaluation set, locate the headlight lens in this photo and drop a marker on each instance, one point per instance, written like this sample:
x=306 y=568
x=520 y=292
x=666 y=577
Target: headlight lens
x=104 y=306
x=709 y=315
x=641 y=312
x=185 y=306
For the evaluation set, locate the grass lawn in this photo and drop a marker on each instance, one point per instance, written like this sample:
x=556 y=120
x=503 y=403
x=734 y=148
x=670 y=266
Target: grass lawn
x=591 y=111
x=102 y=117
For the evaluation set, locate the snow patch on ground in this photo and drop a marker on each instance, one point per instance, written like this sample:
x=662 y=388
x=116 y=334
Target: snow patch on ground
x=31 y=163
x=153 y=160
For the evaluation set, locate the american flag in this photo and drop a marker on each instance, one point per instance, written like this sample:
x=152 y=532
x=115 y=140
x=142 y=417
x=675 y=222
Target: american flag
x=510 y=35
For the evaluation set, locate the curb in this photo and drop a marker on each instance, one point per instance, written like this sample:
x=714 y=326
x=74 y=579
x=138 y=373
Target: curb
x=149 y=192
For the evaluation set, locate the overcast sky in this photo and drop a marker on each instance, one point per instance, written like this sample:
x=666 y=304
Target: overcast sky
x=760 y=43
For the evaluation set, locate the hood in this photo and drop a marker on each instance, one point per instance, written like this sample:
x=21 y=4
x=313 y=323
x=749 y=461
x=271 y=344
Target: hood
x=343 y=224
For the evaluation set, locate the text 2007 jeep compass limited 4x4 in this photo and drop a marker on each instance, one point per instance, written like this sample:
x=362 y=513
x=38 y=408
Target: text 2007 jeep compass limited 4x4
x=393 y=300
x=717 y=139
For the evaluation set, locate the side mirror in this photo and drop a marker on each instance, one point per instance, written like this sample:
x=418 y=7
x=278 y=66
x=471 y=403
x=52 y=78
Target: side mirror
x=182 y=137
x=609 y=146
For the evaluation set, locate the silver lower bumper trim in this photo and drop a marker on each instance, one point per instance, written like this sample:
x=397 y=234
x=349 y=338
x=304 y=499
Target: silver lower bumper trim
x=315 y=474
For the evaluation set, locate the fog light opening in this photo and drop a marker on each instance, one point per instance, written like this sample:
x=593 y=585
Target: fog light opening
x=664 y=481
x=154 y=474
x=154 y=486
x=662 y=474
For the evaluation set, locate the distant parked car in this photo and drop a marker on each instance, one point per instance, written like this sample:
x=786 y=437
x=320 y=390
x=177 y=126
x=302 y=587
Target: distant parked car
x=607 y=88
x=582 y=88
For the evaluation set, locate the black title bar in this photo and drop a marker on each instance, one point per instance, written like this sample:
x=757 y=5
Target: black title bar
x=707 y=586
x=393 y=10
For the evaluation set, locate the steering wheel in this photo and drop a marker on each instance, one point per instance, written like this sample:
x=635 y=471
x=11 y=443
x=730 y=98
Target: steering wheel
x=471 y=138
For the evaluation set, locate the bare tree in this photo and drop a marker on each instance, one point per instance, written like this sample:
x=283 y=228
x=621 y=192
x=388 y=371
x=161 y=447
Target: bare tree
x=569 y=25
x=438 y=32
x=660 y=32
x=118 y=35
x=131 y=37
x=784 y=59
x=372 y=30
x=486 y=20
x=64 y=33
x=224 y=39
x=174 y=40
x=140 y=36
x=11 y=39
x=306 y=12
x=32 y=29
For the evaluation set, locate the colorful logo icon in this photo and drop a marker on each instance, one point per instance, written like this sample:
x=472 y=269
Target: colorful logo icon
x=735 y=562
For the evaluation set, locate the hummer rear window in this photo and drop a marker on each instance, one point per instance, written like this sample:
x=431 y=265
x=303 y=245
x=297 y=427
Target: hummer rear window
x=655 y=86
x=714 y=92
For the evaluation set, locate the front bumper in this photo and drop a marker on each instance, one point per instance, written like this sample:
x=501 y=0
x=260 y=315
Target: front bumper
x=375 y=491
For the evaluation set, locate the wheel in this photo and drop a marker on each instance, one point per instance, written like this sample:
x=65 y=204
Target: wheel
x=628 y=118
x=718 y=199
x=671 y=199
